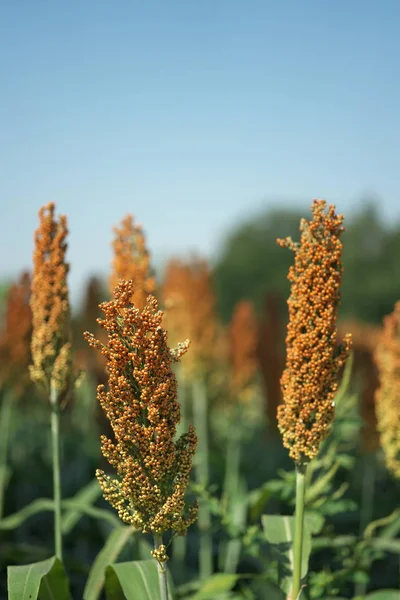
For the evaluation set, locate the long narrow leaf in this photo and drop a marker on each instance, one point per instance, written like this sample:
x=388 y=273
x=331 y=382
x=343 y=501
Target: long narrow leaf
x=136 y=580
x=86 y=496
x=100 y=514
x=383 y=595
x=47 y=505
x=45 y=579
x=109 y=554
x=279 y=531
x=215 y=585
x=16 y=519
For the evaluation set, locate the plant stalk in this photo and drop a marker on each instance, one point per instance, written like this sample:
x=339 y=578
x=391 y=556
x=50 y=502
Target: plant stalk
x=55 y=442
x=5 y=414
x=367 y=506
x=162 y=571
x=200 y=416
x=299 y=528
x=231 y=550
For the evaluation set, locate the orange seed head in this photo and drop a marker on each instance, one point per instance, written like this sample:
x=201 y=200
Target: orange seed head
x=310 y=379
x=387 y=357
x=141 y=405
x=243 y=351
x=15 y=343
x=51 y=337
x=132 y=260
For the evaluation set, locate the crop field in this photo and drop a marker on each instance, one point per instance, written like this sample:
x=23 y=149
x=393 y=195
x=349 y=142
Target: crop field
x=192 y=434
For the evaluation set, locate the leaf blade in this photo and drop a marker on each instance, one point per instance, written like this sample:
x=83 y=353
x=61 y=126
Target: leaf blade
x=46 y=578
x=109 y=554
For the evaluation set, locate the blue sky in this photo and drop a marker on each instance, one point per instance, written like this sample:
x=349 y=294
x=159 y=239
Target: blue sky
x=191 y=114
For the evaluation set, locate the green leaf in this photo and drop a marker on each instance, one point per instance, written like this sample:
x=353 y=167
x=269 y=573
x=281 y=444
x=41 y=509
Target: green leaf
x=383 y=595
x=279 y=531
x=45 y=504
x=16 y=519
x=315 y=521
x=342 y=541
x=360 y=577
x=257 y=499
x=109 y=554
x=136 y=580
x=392 y=523
x=267 y=589
x=344 y=384
x=216 y=584
x=386 y=544
x=85 y=497
x=100 y=514
x=317 y=489
x=45 y=580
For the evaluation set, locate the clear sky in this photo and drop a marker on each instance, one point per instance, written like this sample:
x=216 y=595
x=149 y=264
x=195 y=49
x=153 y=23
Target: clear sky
x=191 y=114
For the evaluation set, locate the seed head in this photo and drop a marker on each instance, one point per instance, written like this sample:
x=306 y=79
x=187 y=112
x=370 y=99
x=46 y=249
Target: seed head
x=15 y=354
x=51 y=337
x=190 y=307
x=141 y=405
x=243 y=351
x=387 y=357
x=310 y=380
x=132 y=260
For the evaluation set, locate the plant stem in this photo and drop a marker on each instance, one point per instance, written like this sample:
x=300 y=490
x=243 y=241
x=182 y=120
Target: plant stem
x=55 y=442
x=231 y=550
x=299 y=526
x=162 y=571
x=5 y=414
x=367 y=506
x=200 y=416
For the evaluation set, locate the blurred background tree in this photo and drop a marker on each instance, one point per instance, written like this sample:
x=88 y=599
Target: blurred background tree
x=251 y=264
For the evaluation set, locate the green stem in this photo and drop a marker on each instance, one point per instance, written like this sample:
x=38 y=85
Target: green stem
x=162 y=571
x=231 y=550
x=200 y=417
x=366 y=508
x=5 y=419
x=299 y=526
x=55 y=442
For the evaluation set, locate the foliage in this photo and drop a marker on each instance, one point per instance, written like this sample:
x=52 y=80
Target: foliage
x=251 y=264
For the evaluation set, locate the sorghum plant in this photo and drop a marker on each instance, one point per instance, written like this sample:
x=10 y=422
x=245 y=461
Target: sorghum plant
x=132 y=260
x=51 y=337
x=15 y=351
x=387 y=357
x=242 y=372
x=141 y=405
x=189 y=297
x=271 y=357
x=15 y=357
x=314 y=359
x=243 y=334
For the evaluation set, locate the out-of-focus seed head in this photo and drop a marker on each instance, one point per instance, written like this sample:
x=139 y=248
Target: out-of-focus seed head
x=141 y=405
x=15 y=354
x=313 y=361
x=243 y=334
x=387 y=357
x=189 y=301
x=51 y=337
x=131 y=260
